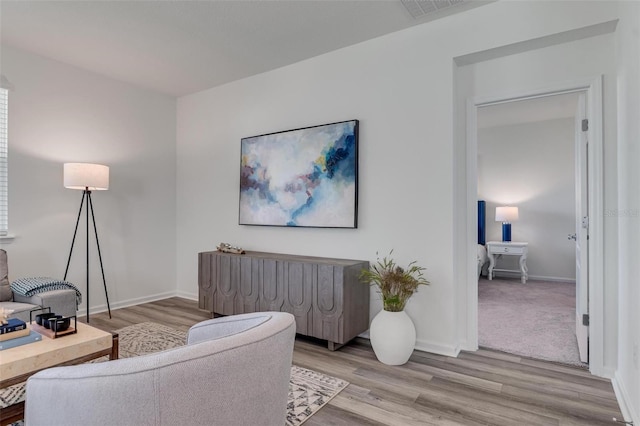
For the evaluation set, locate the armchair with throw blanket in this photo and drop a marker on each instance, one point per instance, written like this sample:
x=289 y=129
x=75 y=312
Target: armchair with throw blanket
x=233 y=371
x=26 y=294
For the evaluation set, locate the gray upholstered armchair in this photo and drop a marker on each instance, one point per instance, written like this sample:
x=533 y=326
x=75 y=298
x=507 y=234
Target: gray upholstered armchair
x=233 y=371
x=62 y=302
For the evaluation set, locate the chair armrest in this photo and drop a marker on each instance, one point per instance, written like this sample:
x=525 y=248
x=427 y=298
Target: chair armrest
x=62 y=302
x=218 y=328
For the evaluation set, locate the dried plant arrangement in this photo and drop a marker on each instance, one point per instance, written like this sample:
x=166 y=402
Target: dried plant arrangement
x=395 y=284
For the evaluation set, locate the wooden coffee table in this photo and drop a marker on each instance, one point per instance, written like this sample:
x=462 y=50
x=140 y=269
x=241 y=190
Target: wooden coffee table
x=19 y=363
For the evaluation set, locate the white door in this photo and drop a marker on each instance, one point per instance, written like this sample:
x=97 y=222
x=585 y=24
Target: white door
x=582 y=231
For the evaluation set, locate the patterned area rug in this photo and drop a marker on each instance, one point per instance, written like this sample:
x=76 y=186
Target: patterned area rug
x=308 y=390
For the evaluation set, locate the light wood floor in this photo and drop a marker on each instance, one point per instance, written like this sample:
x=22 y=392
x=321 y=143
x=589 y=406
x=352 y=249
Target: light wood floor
x=477 y=388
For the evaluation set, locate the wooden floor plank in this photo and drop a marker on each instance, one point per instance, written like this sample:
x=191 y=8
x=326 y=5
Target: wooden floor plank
x=335 y=416
x=518 y=375
x=476 y=388
x=387 y=412
x=499 y=358
x=483 y=407
x=577 y=408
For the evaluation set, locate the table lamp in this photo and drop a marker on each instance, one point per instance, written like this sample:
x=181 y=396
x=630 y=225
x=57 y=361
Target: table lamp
x=506 y=215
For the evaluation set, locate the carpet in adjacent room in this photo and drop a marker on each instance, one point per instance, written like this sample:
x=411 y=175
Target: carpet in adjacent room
x=535 y=320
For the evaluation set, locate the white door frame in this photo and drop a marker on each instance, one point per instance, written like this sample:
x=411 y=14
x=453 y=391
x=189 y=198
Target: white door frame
x=581 y=142
x=593 y=89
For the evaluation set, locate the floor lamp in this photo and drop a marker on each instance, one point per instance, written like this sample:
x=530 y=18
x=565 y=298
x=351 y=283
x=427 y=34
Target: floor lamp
x=87 y=177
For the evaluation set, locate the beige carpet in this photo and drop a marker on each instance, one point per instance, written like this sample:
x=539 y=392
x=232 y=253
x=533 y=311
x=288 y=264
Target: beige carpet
x=309 y=390
x=536 y=319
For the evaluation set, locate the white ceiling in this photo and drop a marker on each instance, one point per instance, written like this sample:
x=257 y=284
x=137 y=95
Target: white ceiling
x=180 y=47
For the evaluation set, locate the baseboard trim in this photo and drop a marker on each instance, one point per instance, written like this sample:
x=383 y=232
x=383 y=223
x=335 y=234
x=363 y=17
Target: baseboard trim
x=554 y=279
x=423 y=346
x=605 y=372
x=507 y=274
x=623 y=400
x=185 y=295
x=436 y=348
x=126 y=303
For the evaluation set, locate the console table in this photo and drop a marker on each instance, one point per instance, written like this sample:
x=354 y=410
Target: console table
x=325 y=295
x=507 y=248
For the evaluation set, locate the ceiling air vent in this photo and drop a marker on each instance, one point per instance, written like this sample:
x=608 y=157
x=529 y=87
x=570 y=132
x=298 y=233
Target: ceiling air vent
x=420 y=8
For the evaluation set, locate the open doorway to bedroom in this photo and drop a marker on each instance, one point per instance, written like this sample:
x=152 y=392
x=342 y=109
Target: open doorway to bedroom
x=528 y=159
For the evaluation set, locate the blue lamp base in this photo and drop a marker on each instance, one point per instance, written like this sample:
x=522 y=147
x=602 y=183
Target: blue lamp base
x=506 y=232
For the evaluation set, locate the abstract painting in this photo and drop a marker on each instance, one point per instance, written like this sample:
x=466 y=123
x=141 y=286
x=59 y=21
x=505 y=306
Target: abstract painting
x=302 y=178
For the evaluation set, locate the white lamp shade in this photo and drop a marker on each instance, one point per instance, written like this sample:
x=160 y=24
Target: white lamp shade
x=95 y=177
x=506 y=214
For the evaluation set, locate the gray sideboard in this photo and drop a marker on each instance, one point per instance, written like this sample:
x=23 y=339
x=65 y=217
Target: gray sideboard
x=325 y=295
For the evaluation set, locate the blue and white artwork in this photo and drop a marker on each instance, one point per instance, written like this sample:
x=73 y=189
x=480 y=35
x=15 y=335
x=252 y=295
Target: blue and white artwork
x=305 y=177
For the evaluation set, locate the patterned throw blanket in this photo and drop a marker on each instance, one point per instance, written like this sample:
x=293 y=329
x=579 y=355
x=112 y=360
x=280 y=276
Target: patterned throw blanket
x=29 y=286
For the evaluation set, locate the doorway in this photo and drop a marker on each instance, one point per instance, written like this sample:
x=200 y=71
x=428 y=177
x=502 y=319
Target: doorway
x=529 y=157
x=592 y=88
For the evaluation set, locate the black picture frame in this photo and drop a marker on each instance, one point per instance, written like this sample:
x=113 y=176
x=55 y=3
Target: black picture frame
x=305 y=177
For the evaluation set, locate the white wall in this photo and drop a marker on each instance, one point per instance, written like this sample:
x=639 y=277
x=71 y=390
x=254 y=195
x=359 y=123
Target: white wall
x=59 y=114
x=401 y=89
x=531 y=166
x=627 y=213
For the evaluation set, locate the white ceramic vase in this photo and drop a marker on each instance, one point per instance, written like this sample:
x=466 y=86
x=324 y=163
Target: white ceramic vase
x=393 y=337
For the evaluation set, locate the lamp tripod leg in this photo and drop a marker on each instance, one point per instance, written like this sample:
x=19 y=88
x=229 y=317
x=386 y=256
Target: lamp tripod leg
x=87 y=212
x=104 y=281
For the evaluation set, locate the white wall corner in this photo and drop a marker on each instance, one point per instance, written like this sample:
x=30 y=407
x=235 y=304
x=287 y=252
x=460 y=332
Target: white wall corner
x=624 y=401
x=187 y=295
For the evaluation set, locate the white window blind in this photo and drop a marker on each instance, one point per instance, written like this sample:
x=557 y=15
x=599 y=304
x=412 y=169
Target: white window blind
x=4 y=163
